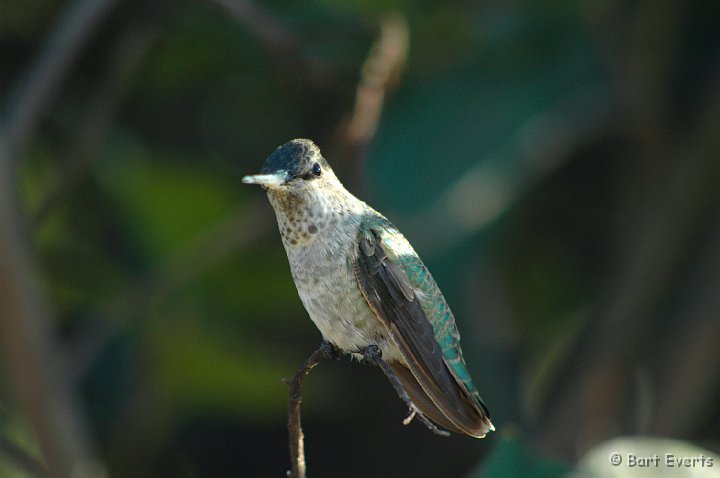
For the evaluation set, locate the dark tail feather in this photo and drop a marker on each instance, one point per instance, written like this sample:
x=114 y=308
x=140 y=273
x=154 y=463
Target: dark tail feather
x=420 y=398
x=470 y=419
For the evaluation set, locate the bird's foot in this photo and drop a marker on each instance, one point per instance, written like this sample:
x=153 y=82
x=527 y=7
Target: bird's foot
x=373 y=355
x=370 y=355
x=414 y=412
x=330 y=351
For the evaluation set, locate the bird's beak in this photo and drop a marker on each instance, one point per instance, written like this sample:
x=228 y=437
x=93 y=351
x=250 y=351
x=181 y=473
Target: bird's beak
x=270 y=181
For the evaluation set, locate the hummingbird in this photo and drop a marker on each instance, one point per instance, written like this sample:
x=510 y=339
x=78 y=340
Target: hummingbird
x=366 y=289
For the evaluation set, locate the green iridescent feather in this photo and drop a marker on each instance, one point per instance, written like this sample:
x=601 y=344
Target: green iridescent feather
x=431 y=298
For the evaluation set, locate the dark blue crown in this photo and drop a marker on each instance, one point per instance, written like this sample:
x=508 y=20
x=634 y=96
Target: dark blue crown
x=294 y=157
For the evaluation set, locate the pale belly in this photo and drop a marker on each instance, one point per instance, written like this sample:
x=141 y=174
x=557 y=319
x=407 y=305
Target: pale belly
x=329 y=291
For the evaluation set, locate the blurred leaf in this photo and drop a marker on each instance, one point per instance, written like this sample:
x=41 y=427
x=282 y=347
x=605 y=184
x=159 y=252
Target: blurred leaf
x=165 y=197
x=512 y=458
x=197 y=371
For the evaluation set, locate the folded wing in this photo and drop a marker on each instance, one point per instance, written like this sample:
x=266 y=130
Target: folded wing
x=426 y=377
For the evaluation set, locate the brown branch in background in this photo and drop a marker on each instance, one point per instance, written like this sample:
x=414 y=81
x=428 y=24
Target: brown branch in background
x=380 y=74
x=33 y=359
x=685 y=399
x=39 y=85
x=297 y=448
x=666 y=207
x=650 y=256
x=124 y=62
x=279 y=41
x=647 y=76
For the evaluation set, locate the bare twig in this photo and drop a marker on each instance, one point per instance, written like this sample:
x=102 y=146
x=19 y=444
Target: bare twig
x=297 y=449
x=37 y=87
x=373 y=356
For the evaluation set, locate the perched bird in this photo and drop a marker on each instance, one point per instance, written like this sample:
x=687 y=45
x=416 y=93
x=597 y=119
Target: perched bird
x=366 y=289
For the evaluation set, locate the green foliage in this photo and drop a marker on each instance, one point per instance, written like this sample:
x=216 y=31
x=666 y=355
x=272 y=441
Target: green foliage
x=227 y=378
x=165 y=198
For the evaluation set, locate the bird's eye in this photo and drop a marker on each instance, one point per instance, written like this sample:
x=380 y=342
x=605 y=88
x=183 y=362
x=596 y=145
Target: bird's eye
x=315 y=172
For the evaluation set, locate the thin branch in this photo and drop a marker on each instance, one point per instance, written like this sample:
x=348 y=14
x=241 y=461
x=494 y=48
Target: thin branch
x=371 y=355
x=39 y=85
x=297 y=448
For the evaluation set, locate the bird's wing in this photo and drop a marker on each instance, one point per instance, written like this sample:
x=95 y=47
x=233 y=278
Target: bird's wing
x=394 y=299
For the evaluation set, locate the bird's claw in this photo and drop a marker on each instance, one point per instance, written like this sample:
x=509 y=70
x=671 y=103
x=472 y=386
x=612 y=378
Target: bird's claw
x=371 y=355
x=330 y=351
x=410 y=417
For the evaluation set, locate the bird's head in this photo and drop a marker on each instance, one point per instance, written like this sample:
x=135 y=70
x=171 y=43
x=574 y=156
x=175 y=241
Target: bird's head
x=295 y=167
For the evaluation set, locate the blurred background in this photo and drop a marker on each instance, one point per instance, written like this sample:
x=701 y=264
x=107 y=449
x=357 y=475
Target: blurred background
x=556 y=165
